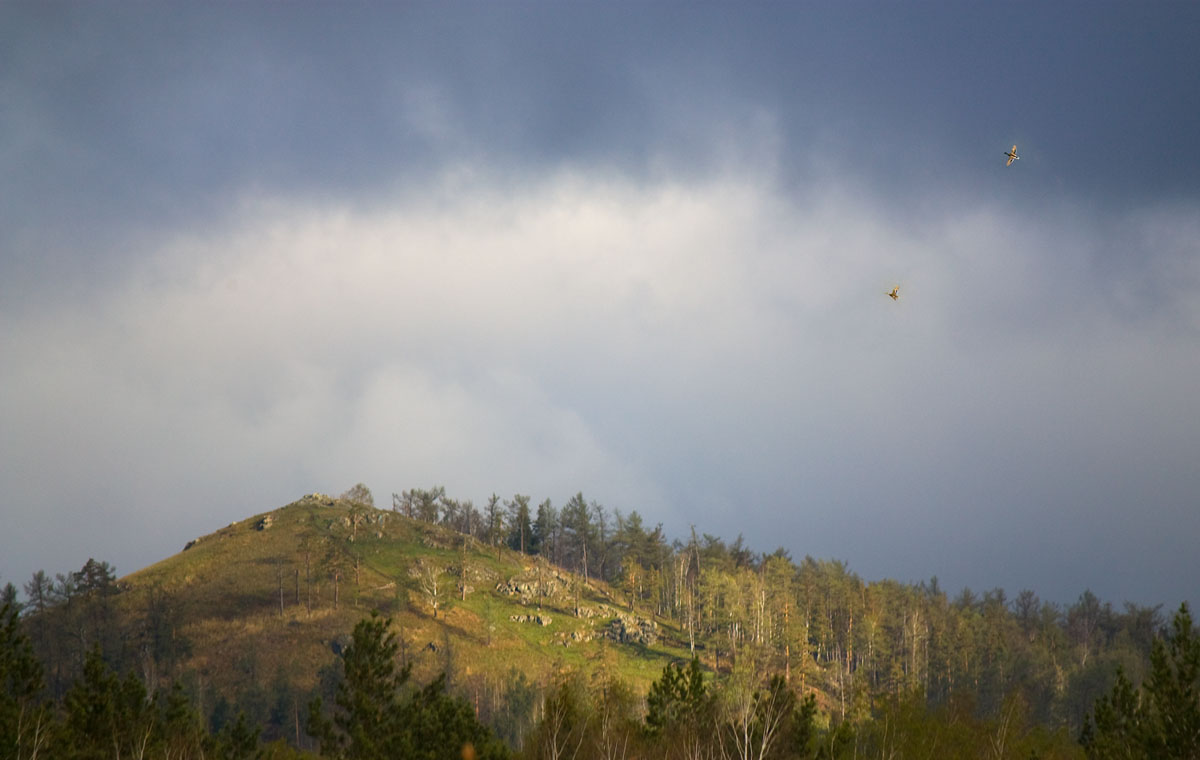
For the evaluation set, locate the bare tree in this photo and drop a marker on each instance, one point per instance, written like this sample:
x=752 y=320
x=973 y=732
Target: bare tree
x=564 y=723
x=613 y=731
x=308 y=543
x=333 y=561
x=463 y=569
x=429 y=579
x=752 y=718
x=359 y=513
x=279 y=572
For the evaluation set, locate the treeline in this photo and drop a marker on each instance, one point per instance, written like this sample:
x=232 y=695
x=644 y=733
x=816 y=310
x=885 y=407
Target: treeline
x=752 y=714
x=75 y=613
x=862 y=657
x=103 y=715
x=377 y=714
x=83 y=627
x=819 y=624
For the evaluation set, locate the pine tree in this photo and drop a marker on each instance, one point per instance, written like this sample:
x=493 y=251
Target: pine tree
x=1173 y=691
x=105 y=716
x=24 y=719
x=521 y=529
x=1160 y=720
x=378 y=719
x=677 y=698
x=367 y=698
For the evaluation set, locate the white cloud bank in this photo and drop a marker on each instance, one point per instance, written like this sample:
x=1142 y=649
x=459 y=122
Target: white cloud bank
x=713 y=354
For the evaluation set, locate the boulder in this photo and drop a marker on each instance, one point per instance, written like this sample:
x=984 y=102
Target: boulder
x=629 y=629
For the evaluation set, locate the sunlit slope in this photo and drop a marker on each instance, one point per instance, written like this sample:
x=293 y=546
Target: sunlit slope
x=276 y=596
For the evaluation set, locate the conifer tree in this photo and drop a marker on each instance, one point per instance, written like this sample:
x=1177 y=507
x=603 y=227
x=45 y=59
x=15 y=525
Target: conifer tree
x=1160 y=720
x=677 y=697
x=24 y=719
x=377 y=718
x=105 y=716
x=367 y=697
x=1173 y=691
x=521 y=528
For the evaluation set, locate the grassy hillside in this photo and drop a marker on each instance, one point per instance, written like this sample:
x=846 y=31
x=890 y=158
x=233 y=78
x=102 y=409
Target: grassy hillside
x=256 y=602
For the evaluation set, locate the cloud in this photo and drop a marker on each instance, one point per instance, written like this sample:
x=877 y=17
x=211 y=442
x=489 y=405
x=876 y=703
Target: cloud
x=464 y=338
x=717 y=353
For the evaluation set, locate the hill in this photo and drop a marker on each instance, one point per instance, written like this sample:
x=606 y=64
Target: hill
x=276 y=595
x=253 y=617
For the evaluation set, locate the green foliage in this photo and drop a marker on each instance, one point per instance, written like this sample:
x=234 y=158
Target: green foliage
x=360 y=494
x=678 y=699
x=24 y=719
x=1116 y=730
x=237 y=740
x=368 y=696
x=520 y=523
x=542 y=533
x=566 y=715
x=1173 y=690
x=105 y=716
x=1162 y=719
x=377 y=719
x=438 y=726
x=802 y=733
x=514 y=717
x=8 y=598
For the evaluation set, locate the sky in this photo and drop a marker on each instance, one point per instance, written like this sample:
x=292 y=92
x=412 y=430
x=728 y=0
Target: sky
x=633 y=250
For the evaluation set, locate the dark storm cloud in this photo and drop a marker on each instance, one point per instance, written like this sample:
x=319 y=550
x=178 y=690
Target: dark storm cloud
x=151 y=113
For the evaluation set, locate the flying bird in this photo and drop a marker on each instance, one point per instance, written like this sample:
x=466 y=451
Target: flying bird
x=1012 y=156
x=895 y=294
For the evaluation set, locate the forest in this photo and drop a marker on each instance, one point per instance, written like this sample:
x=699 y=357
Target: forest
x=777 y=658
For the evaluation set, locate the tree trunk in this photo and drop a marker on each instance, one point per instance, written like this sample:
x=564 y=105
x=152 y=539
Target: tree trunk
x=787 y=646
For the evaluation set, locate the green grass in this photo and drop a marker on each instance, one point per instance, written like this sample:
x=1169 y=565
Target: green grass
x=225 y=590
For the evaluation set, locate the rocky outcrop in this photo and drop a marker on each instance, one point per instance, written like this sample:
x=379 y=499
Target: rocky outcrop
x=319 y=499
x=629 y=629
x=529 y=589
x=575 y=637
x=539 y=619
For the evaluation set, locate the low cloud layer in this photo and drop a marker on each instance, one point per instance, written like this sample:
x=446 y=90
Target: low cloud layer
x=716 y=353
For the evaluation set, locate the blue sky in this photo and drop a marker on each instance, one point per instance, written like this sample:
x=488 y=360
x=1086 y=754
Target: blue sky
x=637 y=250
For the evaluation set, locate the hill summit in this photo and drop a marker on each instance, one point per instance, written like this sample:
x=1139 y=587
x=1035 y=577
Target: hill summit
x=276 y=595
